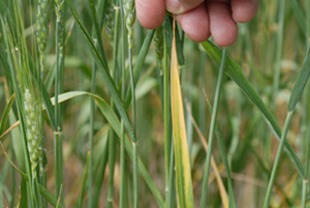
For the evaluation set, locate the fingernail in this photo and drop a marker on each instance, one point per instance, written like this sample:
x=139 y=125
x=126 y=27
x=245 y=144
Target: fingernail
x=174 y=6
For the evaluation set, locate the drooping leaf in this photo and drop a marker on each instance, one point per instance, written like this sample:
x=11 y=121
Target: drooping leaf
x=103 y=68
x=233 y=70
x=115 y=123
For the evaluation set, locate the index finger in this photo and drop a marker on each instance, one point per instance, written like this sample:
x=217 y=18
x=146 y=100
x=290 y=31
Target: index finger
x=150 y=13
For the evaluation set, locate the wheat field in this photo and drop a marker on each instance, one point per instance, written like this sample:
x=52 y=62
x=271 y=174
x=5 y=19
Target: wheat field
x=97 y=111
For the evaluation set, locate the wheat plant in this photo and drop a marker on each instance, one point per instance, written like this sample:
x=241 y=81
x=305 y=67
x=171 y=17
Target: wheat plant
x=97 y=111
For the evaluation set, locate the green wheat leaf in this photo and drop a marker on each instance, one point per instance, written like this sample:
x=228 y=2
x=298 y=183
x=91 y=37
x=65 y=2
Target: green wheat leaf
x=6 y=113
x=233 y=70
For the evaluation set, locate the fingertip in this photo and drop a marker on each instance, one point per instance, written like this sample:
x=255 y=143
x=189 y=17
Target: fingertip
x=244 y=10
x=150 y=14
x=223 y=28
x=195 y=23
x=226 y=40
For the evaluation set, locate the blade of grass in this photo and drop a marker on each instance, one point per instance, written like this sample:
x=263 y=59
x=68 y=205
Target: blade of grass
x=2 y=180
x=100 y=175
x=183 y=169
x=130 y=17
x=261 y=163
x=170 y=196
x=123 y=185
x=79 y=203
x=91 y=134
x=3 y=8
x=279 y=44
x=112 y=141
x=6 y=67
x=12 y=175
x=296 y=93
x=305 y=180
x=112 y=154
x=233 y=70
x=97 y=29
x=58 y=154
x=299 y=16
x=211 y=132
x=123 y=164
x=11 y=162
x=6 y=113
x=300 y=83
x=219 y=181
x=277 y=159
x=167 y=122
x=221 y=143
x=97 y=39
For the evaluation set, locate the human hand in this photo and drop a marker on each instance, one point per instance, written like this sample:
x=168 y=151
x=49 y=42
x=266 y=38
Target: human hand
x=200 y=18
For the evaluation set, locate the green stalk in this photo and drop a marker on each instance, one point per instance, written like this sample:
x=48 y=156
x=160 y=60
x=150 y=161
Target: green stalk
x=135 y=143
x=12 y=171
x=308 y=23
x=277 y=159
x=130 y=18
x=57 y=137
x=112 y=153
x=221 y=143
x=306 y=178
x=122 y=154
x=3 y=175
x=135 y=175
x=112 y=139
x=83 y=189
x=98 y=43
x=42 y=33
x=166 y=115
x=276 y=78
x=13 y=178
x=122 y=191
x=91 y=136
x=61 y=109
x=169 y=195
x=100 y=175
x=212 y=130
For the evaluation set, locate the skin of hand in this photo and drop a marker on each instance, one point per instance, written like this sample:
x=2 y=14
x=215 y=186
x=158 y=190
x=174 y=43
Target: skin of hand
x=200 y=18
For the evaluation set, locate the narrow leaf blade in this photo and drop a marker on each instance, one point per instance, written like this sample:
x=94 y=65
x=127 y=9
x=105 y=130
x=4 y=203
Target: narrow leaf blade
x=6 y=113
x=300 y=84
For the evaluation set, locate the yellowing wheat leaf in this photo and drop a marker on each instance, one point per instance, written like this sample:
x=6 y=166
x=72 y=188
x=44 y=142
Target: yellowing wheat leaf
x=183 y=169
